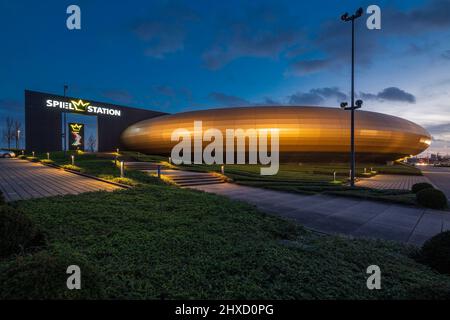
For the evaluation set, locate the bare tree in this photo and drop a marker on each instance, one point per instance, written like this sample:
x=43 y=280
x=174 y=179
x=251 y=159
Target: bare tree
x=8 y=133
x=91 y=143
x=17 y=131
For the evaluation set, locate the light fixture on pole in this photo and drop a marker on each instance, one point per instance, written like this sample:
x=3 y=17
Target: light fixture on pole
x=353 y=105
x=65 y=122
x=18 y=140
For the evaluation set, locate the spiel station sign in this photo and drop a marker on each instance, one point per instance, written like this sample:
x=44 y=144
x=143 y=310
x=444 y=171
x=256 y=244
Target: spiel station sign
x=82 y=107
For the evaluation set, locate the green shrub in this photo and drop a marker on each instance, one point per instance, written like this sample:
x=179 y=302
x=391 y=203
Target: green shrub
x=432 y=198
x=21 y=157
x=125 y=181
x=43 y=276
x=436 y=252
x=17 y=232
x=33 y=159
x=421 y=186
x=71 y=167
x=47 y=161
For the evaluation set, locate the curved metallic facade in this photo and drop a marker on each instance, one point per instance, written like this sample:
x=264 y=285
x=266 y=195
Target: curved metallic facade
x=306 y=133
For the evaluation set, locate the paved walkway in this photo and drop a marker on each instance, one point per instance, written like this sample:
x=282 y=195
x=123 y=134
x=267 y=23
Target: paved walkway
x=440 y=177
x=341 y=215
x=21 y=180
x=391 y=181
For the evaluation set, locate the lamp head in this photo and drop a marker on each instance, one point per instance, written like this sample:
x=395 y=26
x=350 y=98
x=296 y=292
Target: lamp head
x=344 y=17
x=359 y=103
x=359 y=12
x=344 y=105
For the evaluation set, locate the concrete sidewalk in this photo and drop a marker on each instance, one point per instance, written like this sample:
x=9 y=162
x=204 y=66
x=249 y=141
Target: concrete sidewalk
x=342 y=215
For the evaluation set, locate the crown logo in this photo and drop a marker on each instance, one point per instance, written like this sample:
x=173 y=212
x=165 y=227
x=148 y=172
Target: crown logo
x=80 y=105
x=76 y=127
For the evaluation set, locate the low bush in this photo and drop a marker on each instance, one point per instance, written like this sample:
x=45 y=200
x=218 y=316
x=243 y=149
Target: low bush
x=432 y=198
x=47 y=161
x=17 y=232
x=436 y=252
x=42 y=276
x=421 y=186
x=33 y=159
x=125 y=181
x=71 y=167
x=21 y=157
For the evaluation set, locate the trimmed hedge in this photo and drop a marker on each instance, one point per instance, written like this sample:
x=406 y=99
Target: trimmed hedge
x=432 y=198
x=17 y=233
x=43 y=276
x=421 y=186
x=2 y=198
x=436 y=252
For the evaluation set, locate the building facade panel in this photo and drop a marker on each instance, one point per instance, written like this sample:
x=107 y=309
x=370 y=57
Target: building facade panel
x=306 y=133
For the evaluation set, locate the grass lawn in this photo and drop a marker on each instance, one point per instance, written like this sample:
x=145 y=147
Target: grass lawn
x=318 y=178
x=159 y=241
x=98 y=164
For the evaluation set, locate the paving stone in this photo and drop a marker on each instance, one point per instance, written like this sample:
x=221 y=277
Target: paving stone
x=429 y=225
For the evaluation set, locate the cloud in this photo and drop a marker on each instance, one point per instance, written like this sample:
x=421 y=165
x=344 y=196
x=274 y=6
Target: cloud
x=228 y=100
x=317 y=96
x=260 y=31
x=433 y=15
x=308 y=66
x=167 y=97
x=306 y=98
x=333 y=40
x=446 y=54
x=121 y=96
x=390 y=94
x=164 y=30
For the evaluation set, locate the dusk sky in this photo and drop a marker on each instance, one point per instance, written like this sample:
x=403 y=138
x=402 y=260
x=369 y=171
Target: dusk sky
x=177 y=56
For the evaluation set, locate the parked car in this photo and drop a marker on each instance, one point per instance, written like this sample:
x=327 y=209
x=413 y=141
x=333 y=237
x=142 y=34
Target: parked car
x=7 y=154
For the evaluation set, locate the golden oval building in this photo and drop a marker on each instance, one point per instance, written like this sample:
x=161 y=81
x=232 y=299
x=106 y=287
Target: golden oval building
x=305 y=133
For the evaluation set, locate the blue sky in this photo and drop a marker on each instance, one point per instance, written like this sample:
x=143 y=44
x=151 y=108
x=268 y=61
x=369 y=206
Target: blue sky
x=185 y=55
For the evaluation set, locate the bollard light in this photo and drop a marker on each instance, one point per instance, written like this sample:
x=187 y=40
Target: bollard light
x=23 y=152
x=48 y=155
x=159 y=171
x=334 y=176
x=73 y=159
x=222 y=169
x=170 y=160
x=350 y=175
x=365 y=170
x=118 y=151
x=122 y=171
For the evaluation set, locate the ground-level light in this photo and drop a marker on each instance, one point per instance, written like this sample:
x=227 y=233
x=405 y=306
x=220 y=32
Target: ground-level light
x=73 y=159
x=122 y=171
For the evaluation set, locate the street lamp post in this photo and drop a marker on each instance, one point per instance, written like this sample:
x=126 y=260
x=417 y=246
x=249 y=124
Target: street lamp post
x=354 y=105
x=18 y=140
x=65 y=122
